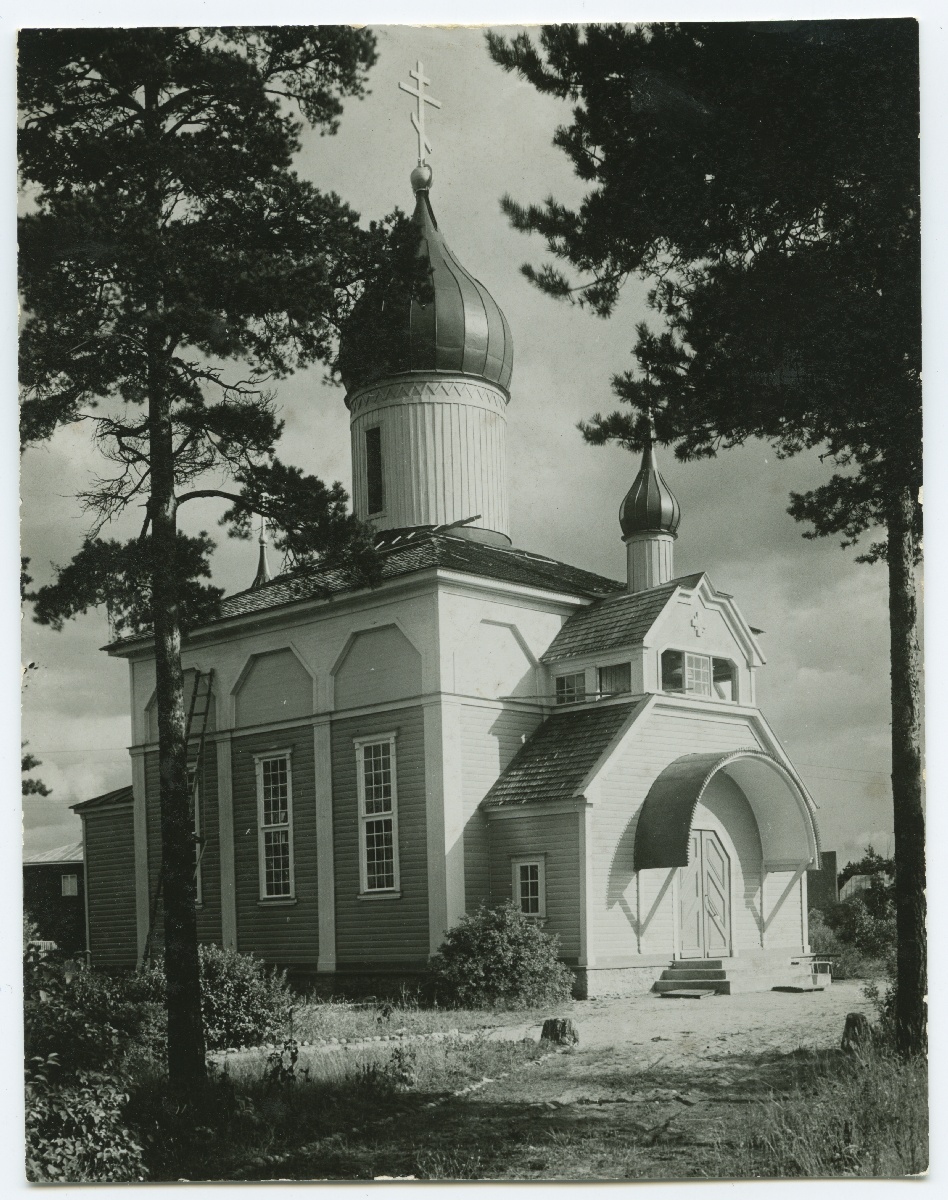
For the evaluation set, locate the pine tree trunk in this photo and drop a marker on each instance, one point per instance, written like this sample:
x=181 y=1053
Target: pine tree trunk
x=908 y=814
x=186 y=1057
x=186 y=1049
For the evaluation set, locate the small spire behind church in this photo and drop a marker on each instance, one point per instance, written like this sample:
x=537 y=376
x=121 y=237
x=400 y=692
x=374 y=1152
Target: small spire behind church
x=649 y=517
x=263 y=567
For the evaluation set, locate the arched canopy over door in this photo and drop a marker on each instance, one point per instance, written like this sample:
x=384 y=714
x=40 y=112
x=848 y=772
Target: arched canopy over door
x=781 y=806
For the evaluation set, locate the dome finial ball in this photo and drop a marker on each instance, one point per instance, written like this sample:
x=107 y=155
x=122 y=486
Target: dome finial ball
x=421 y=178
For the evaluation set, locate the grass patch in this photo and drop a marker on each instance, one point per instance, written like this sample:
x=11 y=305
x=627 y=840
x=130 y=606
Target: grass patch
x=342 y=1118
x=357 y=1020
x=863 y=1116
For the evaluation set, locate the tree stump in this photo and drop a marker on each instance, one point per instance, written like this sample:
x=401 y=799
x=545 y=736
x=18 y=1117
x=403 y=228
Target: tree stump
x=857 y=1033
x=560 y=1031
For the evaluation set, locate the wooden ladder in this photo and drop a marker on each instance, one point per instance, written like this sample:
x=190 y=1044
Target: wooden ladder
x=198 y=711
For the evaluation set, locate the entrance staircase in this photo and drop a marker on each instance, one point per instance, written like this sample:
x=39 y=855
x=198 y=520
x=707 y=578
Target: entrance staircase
x=728 y=976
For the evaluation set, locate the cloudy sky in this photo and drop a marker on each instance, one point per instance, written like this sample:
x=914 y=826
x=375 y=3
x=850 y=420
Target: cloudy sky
x=825 y=686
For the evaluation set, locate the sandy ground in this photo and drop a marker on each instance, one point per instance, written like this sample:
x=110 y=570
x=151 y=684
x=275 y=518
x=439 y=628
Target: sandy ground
x=684 y=1032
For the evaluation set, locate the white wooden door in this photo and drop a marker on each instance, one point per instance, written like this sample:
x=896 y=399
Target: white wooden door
x=705 y=891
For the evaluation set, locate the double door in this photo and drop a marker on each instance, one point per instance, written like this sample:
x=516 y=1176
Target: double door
x=705 y=892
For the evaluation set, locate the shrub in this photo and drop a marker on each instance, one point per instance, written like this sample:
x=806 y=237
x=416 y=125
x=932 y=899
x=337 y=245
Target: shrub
x=77 y=1134
x=496 y=956
x=243 y=1002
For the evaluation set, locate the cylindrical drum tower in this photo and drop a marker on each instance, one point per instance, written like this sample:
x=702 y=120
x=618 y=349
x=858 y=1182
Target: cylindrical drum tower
x=426 y=361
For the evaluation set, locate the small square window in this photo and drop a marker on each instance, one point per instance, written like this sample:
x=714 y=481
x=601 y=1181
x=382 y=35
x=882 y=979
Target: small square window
x=70 y=885
x=571 y=689
x=615 y=679
x=529 y=886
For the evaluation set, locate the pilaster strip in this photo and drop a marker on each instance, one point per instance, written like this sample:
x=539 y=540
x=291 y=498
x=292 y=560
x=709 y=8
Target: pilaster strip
x=225 y=825
x=587 y=953
x=435 y=824
x=140 y=834
x=325 y=846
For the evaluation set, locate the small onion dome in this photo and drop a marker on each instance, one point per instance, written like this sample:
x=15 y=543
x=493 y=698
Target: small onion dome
x=650 y=505
x=437 y=317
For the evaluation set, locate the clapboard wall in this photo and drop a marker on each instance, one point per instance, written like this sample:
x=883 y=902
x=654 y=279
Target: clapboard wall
x=555 y=837
x=109 y=848
x=394 y=930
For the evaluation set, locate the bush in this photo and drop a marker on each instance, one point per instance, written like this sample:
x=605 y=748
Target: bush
x=243 y=1002
x=496 y=956
x=76 y=1133
x=858 y=934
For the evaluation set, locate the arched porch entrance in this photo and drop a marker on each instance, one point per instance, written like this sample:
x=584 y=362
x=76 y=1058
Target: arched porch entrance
x=740 y=828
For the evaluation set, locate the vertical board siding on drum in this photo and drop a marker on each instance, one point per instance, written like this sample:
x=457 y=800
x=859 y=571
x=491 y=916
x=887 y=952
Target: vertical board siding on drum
x=376 y=930
x=109 y=839
x=490 y=738
x=279 y=932
x=443 y=453
x=619 y=907
x=556 y=836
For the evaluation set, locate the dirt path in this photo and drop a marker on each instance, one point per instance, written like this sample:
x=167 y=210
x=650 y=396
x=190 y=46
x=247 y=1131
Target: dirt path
x=688 y=1033
x=652 y=1088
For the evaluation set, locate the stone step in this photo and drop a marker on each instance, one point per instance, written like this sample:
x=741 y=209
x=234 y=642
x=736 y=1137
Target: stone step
x=680 y=973
x=741 y=982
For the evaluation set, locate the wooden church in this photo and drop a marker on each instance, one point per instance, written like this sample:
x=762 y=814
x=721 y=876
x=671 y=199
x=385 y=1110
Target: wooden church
x=488 y=724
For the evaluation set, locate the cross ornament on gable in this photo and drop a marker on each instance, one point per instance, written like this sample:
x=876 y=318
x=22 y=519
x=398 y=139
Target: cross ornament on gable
x=697 y=623
x=418 y=119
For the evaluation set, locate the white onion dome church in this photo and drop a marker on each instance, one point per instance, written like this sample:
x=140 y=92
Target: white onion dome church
x=487 y=724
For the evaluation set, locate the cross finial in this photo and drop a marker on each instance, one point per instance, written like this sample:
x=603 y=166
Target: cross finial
x=418 y=119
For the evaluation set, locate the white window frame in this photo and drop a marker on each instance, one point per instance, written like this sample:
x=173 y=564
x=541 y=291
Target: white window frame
x=690 y=673
x=259 y=760
x=75 y=885
x=359 y=744
x=529 y=860
x=570 y=675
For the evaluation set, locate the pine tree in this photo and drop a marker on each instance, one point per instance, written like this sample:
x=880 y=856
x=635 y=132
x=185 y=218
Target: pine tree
x=765 y=177
x=170 y=240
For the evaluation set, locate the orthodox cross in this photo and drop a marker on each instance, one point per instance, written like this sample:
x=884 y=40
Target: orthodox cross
x=418 y=119
x=697 y=624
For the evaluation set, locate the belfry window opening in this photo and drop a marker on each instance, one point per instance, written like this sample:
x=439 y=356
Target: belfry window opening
x=698 y=675
x=373 y=470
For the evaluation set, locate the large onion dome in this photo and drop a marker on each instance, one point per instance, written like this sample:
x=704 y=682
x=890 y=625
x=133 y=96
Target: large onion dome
x=433 y=316
x=650 y=505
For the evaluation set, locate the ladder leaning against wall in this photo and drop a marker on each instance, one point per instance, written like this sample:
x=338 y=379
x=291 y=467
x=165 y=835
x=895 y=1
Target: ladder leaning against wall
x=196 y=727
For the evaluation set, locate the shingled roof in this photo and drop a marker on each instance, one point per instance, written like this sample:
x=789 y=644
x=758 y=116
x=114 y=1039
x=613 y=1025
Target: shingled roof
x=614 y=622
x=559 y=756
x=420 y=550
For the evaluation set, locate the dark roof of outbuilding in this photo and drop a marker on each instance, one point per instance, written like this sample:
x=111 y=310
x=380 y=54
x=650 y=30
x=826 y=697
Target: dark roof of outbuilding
x=418 y=550
x=559 y=756
x=614 y=622
x=122 y=795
